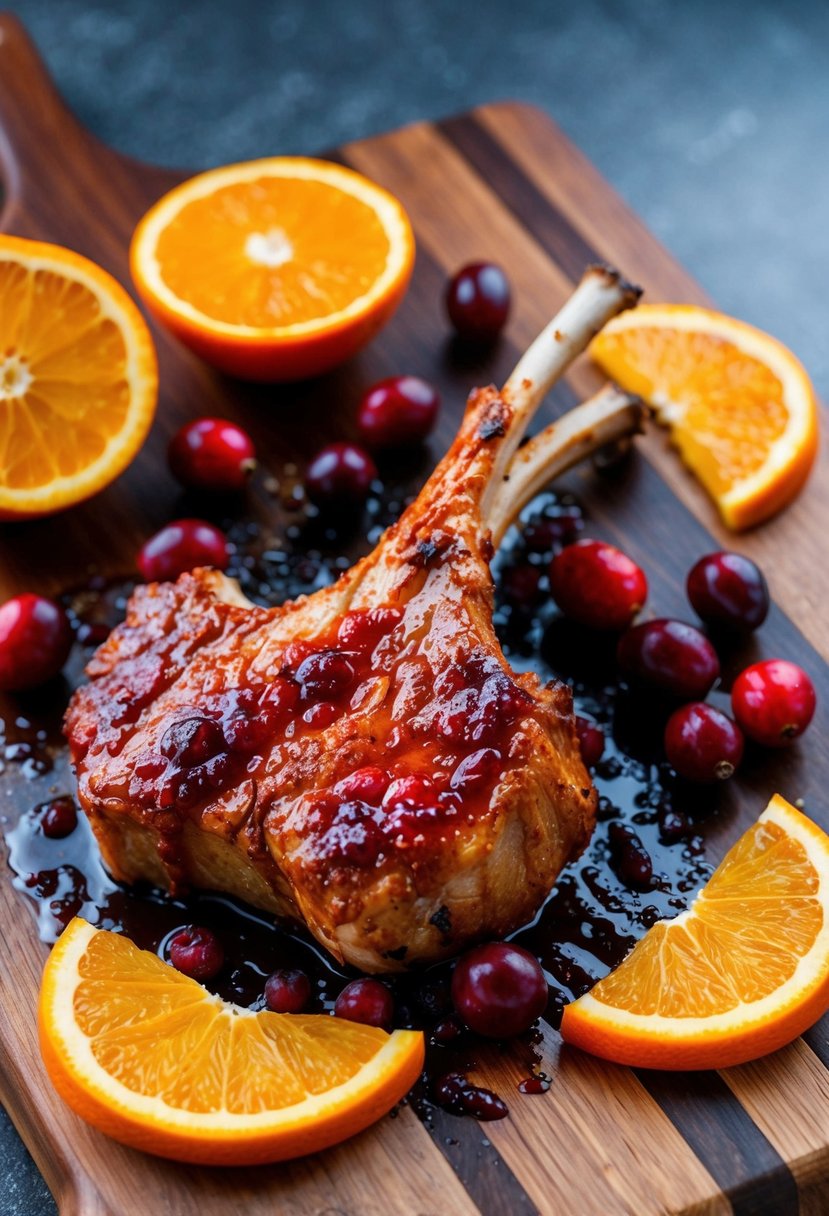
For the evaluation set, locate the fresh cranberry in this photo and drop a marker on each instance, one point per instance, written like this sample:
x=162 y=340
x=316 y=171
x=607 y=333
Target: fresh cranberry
x=35 y=639
x=367 y=1001
x=499 y=990
x=597 y=585
x=182 y=546
x=192 y=741
x=773 y=701
x=363 y=628
x=325 y=674
x=287 y=991
x=520 y=586
x=703 y=744
x=591 y=740
x=478 y=301
x=478 y=770
x=459 y=1096
x=211 y=454
x=58 y=818
x=629 y=857
x=196 y=952
x=414 y=790
x=340 y=473
x=397 y=411
x=729 y=590
x=671 y=656
x=367 y=784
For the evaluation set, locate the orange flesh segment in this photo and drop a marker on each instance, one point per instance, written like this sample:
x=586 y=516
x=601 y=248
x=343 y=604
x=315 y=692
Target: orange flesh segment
x=327 y=248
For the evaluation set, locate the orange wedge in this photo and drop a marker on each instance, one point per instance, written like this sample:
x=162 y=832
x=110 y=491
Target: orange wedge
x=274 y=269
x=739 y=405
x=148 y=1056
x=741 y=972
x=78 y=378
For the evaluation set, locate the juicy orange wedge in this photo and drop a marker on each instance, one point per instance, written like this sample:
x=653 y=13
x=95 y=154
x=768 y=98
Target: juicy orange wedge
x=741 y=972
x=739 y=405
x=274 y=269
x=78 y=378
x=149 y=1057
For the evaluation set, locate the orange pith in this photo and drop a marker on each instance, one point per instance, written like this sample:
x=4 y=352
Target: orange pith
x=151 y=1058
x=78 y=378
x=742 y=972
x=740 y=407
x=274 y=268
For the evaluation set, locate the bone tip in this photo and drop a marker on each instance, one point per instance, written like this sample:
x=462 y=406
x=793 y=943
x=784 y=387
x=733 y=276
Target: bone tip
x=631 y=292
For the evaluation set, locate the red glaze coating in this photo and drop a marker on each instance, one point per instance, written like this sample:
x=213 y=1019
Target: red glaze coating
x=597 y=585
x=773 y=701
x=703 y=744
x=35 y=640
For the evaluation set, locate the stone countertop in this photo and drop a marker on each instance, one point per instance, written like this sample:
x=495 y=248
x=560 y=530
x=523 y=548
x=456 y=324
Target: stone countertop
x=711 y=119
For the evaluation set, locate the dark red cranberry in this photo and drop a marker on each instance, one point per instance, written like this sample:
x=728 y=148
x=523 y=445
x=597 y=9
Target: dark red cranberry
x=671 y=656
x=212 y=454
x=591 y=740
x=367 y=1001
x=340 y=473
x=773 y=701
x=520 y=586
x=287 y=991
x=478 y=301
x=196 y=952
x=550 y=532
x=629 y=857
x=93 y=633
x=325 y=674
x=192 y=741
x=58 y=818
x=181 y=546
x=597 y=585
x=397 y=411
x=367 y=784
x=35 y=639
x=730 y=591
x=499 y=990
x=703 y=744
x=456 y=1093
x=448 y=1031
x=362 y=629
x=477 y=771
x=414 y=790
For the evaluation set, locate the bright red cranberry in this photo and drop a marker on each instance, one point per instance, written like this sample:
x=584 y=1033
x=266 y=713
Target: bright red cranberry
x=367 y=785
x=340 y=473
x=287 y=991
x=477 y=771
x=671 y=656
x=591 y=740
x=196 y=952
x=325 y=674
x=499 y=990
x=363 y=628
x=729 y=590
x=773 y=701
x=414 y=790
x=212 y=454
x=182 y=546
x=192 y=741
x=597 y=585
x=703 y=744
x=629 y=857
x=478 y=301
x=58 y=818
x=367 y=1001
x=397 y=411
x=35 y=639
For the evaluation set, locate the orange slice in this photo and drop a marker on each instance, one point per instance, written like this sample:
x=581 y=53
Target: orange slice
x=148 y=1056
x=78 y=378
x=739 y=405
x=274 y=269
x=741 y=972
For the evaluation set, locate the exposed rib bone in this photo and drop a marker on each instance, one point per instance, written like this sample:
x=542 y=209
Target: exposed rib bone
x=608 y=416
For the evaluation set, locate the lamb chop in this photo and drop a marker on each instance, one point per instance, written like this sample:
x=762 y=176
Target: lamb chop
x=362 y=759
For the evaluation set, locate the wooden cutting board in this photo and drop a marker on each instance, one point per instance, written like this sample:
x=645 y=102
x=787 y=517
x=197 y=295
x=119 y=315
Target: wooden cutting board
x=504 y=183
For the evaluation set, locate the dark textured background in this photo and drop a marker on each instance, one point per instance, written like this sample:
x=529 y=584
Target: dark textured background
x=711 y=118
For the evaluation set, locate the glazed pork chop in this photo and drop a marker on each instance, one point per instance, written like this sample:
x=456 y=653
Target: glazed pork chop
x=362 y=759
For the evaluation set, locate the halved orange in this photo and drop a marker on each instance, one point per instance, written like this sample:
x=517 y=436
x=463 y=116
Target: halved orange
x=152 y=1059
x=739 y=405
x=274 y=269
x=78 y=378
x=741 y=972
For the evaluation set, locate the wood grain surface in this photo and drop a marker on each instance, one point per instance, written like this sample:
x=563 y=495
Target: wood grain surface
x=504 y=183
